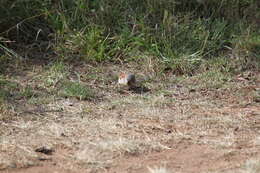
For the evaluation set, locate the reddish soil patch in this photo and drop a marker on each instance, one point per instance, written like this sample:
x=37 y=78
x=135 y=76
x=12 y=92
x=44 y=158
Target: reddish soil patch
x=40 y=169
x=186 y=159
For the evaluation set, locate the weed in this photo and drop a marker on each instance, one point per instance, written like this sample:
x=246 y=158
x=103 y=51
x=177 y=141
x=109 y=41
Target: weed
x=56 y=73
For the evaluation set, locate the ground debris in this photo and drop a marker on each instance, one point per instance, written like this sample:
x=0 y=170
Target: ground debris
x=45 y=150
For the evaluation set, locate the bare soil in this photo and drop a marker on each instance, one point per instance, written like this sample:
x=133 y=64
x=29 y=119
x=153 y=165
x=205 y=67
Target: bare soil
x=181 y=126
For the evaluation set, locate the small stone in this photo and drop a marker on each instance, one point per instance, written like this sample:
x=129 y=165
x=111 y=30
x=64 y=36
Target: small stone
x=45 y=150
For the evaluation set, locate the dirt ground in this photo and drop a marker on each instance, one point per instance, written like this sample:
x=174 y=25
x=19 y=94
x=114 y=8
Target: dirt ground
x=178 y=126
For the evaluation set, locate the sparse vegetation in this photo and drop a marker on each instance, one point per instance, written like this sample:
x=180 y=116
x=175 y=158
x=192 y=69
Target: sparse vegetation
x=59 y=63
x=56 y=74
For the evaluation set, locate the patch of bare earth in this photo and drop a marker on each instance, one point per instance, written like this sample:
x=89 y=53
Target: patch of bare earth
x=171 y=128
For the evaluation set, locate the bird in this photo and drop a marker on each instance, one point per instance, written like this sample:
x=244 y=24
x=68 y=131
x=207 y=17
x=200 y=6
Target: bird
x=127 y=79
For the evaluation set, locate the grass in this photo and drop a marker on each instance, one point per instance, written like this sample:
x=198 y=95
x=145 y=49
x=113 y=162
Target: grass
x=28 y=92
x=59 y=63
x=53 y=80
x=56 y=80
x=77 y=90
x=55 y=74
x=180 y=34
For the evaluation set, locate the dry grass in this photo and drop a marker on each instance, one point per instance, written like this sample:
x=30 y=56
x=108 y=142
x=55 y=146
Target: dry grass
x=93 y=134
x=158 y=170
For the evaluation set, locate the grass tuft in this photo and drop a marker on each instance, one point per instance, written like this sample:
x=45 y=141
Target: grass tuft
x=56 y=73
x=28 y=92
x=77 y=90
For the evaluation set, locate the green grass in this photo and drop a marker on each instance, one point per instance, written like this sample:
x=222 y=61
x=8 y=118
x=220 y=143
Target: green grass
x=77 y=90
x=179 y=34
